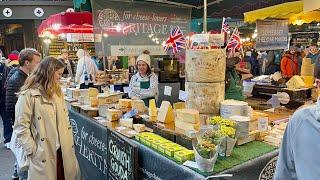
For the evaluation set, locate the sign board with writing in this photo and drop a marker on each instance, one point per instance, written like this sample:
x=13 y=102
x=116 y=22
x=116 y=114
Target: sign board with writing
x=311 y=35
x=80 y=37
x=135 y=24
x=167 y=90
x=272 y=35
x=131 y=50
x=207 y=40
x=122 y=158
x=262 y=124
x=183 y=95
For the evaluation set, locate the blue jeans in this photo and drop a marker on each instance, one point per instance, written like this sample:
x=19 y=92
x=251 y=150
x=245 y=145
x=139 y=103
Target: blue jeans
x=23 y=175
x=7 y=126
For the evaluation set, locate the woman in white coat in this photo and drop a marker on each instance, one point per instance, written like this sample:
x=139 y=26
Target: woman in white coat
x=42 y=125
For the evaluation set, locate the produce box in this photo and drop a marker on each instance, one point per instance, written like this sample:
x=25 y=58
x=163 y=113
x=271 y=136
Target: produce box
x=183 y=155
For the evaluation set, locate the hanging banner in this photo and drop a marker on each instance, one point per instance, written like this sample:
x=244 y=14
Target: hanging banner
x=272 y=35
x=135 y=24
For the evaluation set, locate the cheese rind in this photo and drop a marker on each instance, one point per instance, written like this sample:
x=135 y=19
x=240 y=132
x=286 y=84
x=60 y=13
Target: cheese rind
x=94 y=102
x=153 y=112
x=165 y=114
x=125 y=103
x=186 y=126
x=188 y=115
x=113 y=114
x=126 y=122
x=139 y=105
x=179 y=105
x=93 y=92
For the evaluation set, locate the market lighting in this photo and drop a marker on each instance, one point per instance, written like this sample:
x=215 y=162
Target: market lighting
x=256 y=30
x=247 y=39
x=157 y=42
x=118 y=28
x=56 y=27
x=47 y=41
x=105 y=35
x=150 y=35
x=254 y=35
x=63 y=36
x=163 y=43
x=153 y=39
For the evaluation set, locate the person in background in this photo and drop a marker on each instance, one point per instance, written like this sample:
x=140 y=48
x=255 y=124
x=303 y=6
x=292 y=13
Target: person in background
x=42 y=124
x=313 y=52
x=289 y=63
x=233 y=85
x=65 y=57
x=13 y=59
x=99 y=62
x=28 y=60
x=144 y=84
x=86 y=67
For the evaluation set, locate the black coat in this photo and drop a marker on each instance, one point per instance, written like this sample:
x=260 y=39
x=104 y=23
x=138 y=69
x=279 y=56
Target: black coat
x=14 y=83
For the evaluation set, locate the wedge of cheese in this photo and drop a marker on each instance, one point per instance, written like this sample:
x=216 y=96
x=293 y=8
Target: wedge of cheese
x=125 y=103
x=165 y=114
x=126 y=122
x=153 y=112
x=94 y=102
x=93 y=92
x=139 y=105
x=295 y=82
x=187 y=126
x=188 y=115
x=113 y=114
x=179 y=105
x=139 y=127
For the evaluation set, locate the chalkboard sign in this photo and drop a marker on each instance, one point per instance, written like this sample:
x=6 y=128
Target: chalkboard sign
x=272 y=35
x=312 y=35
x=122 y=157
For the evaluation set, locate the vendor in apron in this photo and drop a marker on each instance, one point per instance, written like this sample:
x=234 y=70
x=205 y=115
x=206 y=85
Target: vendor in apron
x=144 y=84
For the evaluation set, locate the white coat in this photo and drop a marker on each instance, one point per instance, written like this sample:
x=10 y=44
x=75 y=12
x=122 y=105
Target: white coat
x=33 y=112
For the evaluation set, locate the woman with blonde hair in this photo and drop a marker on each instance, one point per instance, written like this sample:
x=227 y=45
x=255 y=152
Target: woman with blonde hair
x=42 y=125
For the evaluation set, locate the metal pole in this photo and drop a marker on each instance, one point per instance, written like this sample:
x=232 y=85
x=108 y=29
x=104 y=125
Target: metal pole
x=204 y=16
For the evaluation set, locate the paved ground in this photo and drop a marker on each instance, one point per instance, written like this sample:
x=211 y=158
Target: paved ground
x=6 y=158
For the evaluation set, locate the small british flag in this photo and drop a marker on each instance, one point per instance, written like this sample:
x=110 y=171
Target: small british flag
x=234 y=42
x=176 y=41
x=225 y=26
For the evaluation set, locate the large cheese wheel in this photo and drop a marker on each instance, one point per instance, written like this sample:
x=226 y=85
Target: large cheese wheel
x=205 y=65
x=205 y=97
x=307 y=69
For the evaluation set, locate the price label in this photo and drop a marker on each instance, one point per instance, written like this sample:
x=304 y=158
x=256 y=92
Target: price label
x=183 y=96
x=262 y=124
x=112 y=88
x=167 y=90
x=126 y=89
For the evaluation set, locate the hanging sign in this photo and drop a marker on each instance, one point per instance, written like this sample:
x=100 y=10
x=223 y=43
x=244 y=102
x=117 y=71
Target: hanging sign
x=80 y=37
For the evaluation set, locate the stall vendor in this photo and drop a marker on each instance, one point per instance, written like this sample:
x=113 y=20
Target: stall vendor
x=233 y=80
x=144 y=84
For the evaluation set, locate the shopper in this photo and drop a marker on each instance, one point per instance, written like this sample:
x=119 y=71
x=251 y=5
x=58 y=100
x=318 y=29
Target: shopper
x=42 y=125
x=69 y=64
x=86 y=68
x=300 y=146
x=289 y=63
x=144 y=84
x=28 y=59
x=313 y=52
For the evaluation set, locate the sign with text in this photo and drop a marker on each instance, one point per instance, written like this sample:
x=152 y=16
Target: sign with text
x=136 y=24
x=272 y=35
x=128 y=50
x=122 y=158
x=80 y=37
x=262 y=124
x=183 y=95
x=167 y=90
x=205 y=40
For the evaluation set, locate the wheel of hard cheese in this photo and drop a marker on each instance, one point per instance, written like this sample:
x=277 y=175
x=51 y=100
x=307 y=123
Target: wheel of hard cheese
x=205 y=65
x=205 y=97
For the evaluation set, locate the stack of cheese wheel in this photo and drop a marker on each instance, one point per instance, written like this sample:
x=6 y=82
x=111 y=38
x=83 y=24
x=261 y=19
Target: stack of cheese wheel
x=205 y=75
x=307 y=72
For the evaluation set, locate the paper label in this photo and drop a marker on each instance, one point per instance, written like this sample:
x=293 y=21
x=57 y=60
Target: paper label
x=126 y=89
x=167 y=90
x=183 y=95
x=262 y=124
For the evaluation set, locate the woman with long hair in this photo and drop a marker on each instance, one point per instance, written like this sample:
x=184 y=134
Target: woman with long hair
x=42 y=125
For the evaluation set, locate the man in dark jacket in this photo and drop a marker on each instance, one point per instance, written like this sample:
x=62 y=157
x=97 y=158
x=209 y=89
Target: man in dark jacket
x=28 y=60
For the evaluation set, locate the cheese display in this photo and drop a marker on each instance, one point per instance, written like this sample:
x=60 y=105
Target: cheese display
x=125 y=103
x=295 y=82
x=93 y=92
x=307 y=68
x=153 y=112
x=276 y=134
x=232 y=108
x=69 y=92
x=75 y=93
x=101 y=77
x=242 y=125
x=186 y=126
x=308 y=81
x=126 y=122
x=165 y=114
x=204 y=118
x=139 y=105
x=94 y=102
x=188 y=115
x=113 y=114
x=139 y=127
x=204 y=65
x=179 y=105
x=205 y=97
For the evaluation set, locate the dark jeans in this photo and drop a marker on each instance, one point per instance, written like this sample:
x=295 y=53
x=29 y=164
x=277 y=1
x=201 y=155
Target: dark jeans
x=7 y=125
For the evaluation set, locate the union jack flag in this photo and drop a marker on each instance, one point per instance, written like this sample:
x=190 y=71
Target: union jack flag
x=176 y=41
x=234 y=42
x=225 y=26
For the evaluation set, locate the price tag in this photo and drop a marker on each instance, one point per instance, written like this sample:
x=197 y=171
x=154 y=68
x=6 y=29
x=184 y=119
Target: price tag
x=262 y=124
x=112 y=88
x=126 y=89
x=167 y=90
x=183 y=96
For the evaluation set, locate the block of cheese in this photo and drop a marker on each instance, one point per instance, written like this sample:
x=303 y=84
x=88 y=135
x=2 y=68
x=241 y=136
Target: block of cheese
x=94 y=102
x=153 y=112
x=125 y=103
x=76 y=93
x=84 y=92
x=139 y=105
x=308 y=80
x=179 y=105
x=188 y=115
x=205 y=97
x=113 y=114
x=165 y=114
x=102 y=99
x=126 y=122
x=139 y=127
x=205 y=65
x=295 y=82
x=187 y=126
x=93 y=92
